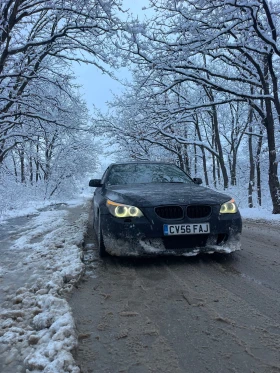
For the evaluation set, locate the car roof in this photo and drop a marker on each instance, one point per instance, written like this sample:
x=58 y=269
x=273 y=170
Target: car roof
x=141 y=162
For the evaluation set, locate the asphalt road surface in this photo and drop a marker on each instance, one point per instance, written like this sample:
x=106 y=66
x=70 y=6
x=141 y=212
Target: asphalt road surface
x=210 y=313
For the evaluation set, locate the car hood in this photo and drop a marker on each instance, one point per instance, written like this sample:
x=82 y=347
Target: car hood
x=148 y=195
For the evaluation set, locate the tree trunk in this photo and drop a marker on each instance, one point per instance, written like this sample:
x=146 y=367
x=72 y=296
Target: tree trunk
x=203 y=152
x=258 y=169
x=15 y=166
x=273 y=180
x=251 y=161
x=214 y=163
x=233 y=167
x=31 y=170
x=218 y=168
x=216 y=132
x=195 y=160
x=181 y=161
x=22 y=166
x=219 y=147
x=37 y=161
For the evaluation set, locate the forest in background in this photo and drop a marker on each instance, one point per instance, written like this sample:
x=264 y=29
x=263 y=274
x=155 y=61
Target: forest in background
x=45 y=142
x=204 y=93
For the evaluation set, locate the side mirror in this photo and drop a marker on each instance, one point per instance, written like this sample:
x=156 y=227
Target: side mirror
x=95 y=183
x=197 y=180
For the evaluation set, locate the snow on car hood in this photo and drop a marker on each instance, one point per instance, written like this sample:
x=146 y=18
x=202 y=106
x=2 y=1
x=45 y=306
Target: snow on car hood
x=155 y=194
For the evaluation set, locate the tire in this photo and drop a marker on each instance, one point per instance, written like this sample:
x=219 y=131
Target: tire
x=101 y=246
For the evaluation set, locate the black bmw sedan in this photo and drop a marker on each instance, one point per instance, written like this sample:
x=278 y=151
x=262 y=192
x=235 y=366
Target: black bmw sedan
x=155 y=208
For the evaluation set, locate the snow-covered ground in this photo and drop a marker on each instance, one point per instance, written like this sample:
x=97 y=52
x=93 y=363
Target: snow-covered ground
x=259 y=214
x=40 y=262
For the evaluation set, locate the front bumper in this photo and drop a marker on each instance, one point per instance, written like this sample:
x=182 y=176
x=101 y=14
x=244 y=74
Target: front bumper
x=144 y=236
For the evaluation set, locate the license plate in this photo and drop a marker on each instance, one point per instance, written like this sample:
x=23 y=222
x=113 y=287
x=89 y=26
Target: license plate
x=176 y=229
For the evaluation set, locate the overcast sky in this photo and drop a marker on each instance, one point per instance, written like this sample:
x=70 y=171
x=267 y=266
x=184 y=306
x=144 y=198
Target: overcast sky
x=96 y=87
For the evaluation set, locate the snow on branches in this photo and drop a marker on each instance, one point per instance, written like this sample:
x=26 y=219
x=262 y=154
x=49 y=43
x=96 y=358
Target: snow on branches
x=38 y=95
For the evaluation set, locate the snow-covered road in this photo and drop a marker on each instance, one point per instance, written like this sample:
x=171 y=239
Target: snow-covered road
x=40 y=261
x=210 y=313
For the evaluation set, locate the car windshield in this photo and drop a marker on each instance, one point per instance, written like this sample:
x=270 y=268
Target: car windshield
x=146 y=173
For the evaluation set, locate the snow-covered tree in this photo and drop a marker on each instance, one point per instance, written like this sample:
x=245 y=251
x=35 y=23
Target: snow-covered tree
x=229 y=48
x=38 y=40
x=41 y=116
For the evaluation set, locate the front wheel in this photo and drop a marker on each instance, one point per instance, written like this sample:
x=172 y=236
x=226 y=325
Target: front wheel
x=101 y=246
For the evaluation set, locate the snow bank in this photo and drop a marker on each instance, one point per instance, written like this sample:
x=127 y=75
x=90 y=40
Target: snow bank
x=260 y=214
x=36 y=324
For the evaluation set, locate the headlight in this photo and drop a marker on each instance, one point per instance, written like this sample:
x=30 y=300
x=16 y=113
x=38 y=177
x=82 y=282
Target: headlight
x=123 y=211
x=229 y=207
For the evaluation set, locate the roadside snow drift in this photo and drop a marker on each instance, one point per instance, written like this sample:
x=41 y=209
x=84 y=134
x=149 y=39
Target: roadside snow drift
x=37 y=331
